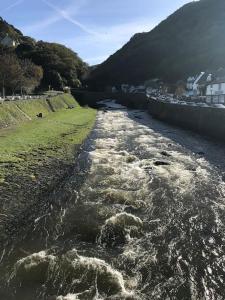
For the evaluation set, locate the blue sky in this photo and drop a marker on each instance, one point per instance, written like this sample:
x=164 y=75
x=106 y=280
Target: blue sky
x=95 y=29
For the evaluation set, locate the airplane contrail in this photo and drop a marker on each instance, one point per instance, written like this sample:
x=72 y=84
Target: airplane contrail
x=67 y=17
x=11 y=6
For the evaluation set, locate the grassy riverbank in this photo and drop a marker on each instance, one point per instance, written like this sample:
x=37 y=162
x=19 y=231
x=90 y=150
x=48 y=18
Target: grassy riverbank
x=37 y=152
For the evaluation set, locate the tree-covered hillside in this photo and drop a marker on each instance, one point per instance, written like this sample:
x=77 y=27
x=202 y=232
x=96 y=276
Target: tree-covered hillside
x=62 y=66
x=187 y=42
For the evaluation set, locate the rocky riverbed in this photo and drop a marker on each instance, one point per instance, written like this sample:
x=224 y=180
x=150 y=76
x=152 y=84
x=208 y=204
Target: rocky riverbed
x=141 y=217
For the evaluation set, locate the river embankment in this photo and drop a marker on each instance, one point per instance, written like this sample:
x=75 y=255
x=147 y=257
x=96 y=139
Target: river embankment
x=36 y=154
x=206 y=120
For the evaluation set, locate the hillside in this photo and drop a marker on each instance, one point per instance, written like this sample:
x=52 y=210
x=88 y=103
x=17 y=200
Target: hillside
x=187 y=42
x=6 y=28
x=61 y=65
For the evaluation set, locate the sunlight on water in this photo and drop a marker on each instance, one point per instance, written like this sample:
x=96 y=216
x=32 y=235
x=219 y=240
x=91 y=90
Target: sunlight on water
x=143 y=219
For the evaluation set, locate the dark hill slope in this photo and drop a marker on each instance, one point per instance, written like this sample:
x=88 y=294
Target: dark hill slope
x=189 y=41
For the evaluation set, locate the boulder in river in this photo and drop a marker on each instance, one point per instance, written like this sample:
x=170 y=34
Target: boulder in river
x=161 y=163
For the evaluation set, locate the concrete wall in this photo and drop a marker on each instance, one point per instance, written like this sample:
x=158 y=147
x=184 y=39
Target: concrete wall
x=209 y=121
x=20 y=111
x=129 y=100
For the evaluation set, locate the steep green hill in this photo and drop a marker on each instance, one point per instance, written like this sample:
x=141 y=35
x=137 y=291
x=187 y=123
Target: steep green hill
x=62 y=66
x=187 y=42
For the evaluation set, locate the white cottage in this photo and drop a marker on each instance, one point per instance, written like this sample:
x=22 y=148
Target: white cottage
x=7 y=41
x=194 y=84
x=215 y=92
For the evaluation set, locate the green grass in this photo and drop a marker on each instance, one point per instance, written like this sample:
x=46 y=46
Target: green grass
x=11 y=115
x=60 y=102
x=33 y=107
x=54 y=136
x=17 y=112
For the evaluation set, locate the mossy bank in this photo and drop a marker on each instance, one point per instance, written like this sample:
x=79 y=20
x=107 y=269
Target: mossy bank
x=37 y=153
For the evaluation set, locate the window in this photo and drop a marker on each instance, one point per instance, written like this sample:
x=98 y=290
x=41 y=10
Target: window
x=220 y=86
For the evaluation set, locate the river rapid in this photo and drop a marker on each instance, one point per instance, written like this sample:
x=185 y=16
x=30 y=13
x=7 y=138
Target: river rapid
x=141 y=217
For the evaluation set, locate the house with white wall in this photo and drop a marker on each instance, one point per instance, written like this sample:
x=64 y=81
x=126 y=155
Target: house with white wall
x=189 y=86
x=7 y=41
x=194 y=84
x=215 y=90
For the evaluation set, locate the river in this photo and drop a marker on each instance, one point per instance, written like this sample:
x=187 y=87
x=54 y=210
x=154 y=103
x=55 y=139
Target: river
x=141 y=217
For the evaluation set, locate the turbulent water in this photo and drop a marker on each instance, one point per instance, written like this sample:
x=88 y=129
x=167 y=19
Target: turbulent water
x=142 y=217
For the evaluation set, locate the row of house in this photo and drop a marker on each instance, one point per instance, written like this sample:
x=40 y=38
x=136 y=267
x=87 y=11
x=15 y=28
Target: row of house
x=150 y=86
x=210 y=85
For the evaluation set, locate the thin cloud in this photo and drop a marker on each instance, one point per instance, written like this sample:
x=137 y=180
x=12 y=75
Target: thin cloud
x=115 y=37
x=66 y=16
x=11 y=6
x=38 y=26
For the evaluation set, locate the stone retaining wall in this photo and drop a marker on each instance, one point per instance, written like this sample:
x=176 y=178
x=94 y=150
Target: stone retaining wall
x=209 y=121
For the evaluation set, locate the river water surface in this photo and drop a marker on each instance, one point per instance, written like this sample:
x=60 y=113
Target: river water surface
x=141 y=217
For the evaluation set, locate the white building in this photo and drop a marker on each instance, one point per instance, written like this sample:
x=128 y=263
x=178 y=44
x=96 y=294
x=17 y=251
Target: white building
x=7 y=41
x=215 y=92
x=194 y=84
x=189 y=86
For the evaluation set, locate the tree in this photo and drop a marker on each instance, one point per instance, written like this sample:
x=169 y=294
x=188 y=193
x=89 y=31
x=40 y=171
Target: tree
x=18 y=74
x=61 y=66
x=32 y=75
x=76 y=83
x=10 y=72
x=54 y=79
x=180 y=88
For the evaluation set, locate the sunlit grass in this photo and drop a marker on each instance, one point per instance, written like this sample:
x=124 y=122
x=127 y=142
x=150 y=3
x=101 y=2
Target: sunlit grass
x=54 y=136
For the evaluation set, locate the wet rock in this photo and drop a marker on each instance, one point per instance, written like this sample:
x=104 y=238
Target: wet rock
x=161 y=163
x=130 y=159
x=191 y=169
x=165 y=153
x=200 y=153
x=138 y=117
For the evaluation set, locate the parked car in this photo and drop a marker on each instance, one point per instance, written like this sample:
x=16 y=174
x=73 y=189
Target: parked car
x=218 y=105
